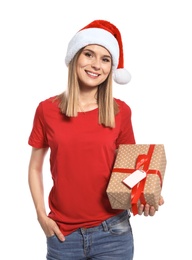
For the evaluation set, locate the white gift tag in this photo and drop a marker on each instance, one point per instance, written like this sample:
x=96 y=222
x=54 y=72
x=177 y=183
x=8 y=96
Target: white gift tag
x=134 y=178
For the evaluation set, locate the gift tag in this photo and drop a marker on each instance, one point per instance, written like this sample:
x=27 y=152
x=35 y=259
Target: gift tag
x=134 y=178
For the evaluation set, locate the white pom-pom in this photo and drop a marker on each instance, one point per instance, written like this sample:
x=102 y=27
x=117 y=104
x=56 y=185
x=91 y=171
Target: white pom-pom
x=121 y=76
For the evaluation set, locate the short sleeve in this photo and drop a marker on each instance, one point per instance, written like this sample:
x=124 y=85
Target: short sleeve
x=37 y=136
x=126 y=135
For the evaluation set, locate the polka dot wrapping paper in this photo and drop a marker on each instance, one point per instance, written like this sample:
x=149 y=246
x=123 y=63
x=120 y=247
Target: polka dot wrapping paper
x=130 y=157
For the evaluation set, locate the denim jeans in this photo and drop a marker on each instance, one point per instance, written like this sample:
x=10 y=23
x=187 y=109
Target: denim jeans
x=112 y=240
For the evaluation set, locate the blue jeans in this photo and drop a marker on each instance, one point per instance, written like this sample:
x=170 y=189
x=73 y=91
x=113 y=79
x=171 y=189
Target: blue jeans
x=112 y=240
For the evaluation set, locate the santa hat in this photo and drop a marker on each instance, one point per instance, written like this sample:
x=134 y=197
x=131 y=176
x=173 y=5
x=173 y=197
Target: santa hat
x=103 y=33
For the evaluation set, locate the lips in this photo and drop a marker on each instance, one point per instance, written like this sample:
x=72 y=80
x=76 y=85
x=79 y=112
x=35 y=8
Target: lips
x=92 y=74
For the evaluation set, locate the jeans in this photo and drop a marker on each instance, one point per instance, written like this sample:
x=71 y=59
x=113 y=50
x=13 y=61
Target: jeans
x=112 y=240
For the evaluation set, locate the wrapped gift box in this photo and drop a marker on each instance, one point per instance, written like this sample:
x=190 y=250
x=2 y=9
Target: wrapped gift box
x=132 y=157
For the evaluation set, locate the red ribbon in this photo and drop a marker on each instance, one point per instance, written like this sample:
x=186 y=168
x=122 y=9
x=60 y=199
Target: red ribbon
x=137 y=192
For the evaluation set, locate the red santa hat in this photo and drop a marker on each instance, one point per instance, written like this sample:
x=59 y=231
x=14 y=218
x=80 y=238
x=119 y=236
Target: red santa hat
x=106 y=34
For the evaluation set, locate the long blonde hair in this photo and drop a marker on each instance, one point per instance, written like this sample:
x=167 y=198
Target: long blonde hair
x=107 y=106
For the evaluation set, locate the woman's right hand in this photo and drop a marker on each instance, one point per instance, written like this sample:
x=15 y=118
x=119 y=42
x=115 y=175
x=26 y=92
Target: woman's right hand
x=50 y=228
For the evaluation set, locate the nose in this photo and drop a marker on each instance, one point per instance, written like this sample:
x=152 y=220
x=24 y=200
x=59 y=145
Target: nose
x=96 y=64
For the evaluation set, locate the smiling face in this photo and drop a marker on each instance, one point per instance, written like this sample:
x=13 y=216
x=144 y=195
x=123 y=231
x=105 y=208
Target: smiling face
x=93 y=66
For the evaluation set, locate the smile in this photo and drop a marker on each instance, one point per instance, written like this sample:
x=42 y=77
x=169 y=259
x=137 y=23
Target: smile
x=92 y=74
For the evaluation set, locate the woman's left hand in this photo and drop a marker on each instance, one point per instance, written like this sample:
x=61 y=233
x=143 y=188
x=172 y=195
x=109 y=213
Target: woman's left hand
x=148 y=210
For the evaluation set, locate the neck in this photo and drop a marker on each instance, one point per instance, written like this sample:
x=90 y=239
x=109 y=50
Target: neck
x=87 y=104
x=88 y=97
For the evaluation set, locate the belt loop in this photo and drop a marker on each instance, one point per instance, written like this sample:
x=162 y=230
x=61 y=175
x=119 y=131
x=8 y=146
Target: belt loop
x=105 y=226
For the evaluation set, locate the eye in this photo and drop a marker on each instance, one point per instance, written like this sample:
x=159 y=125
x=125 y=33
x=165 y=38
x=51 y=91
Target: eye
x=106 y=59
x=88 y=54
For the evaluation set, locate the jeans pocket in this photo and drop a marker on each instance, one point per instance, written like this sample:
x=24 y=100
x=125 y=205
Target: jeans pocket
x=53 y=241
x=51 y=237
x=121 y=226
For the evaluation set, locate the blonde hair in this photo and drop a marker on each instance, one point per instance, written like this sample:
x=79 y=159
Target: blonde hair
x=107 y=106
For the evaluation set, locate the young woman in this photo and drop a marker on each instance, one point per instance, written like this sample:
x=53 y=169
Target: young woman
x=83 y=128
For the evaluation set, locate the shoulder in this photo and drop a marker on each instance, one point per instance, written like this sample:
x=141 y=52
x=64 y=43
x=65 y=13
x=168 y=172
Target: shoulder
x=49 y=101
x=47 y=106
x=123 y=106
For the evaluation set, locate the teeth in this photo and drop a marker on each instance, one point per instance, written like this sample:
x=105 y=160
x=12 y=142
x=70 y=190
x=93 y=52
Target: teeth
x=92 y=74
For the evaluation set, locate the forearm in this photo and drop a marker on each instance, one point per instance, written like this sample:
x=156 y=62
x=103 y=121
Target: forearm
x=37 y=191
x=35 y=179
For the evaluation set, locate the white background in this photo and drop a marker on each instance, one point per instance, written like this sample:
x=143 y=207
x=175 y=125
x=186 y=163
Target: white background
x=157 y=48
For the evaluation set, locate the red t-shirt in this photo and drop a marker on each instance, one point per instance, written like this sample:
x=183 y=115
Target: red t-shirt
x=82 y=154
